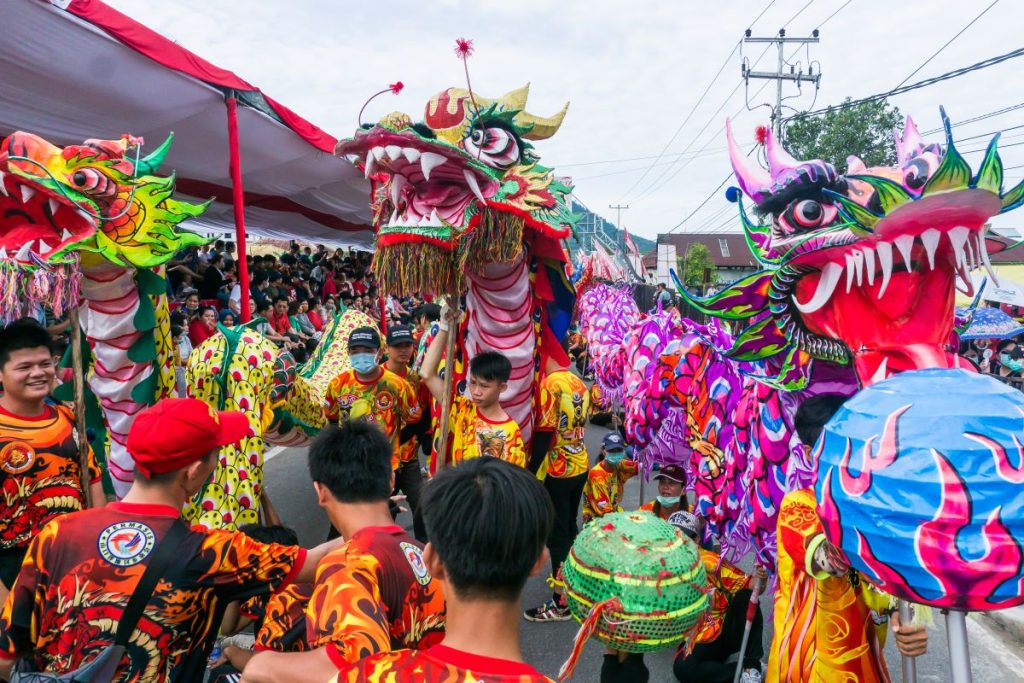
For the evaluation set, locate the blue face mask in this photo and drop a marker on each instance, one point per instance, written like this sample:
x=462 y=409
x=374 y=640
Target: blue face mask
x=615 y=458
x=668 y=501
x=363 y=363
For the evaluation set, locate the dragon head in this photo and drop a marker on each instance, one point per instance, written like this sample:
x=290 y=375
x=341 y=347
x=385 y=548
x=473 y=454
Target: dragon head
x=859 y=268
x=98 y=197
x=466 y=175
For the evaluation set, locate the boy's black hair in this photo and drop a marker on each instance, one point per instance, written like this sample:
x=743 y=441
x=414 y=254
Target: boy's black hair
x=491 y=366
x=24 y=333
x=488 y=521
x=814 y=413
x=353 y=461
x=432 y=312
x=280 y=535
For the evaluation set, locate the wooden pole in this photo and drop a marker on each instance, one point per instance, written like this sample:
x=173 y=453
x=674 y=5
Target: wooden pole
x=446 y=399
x=77 y=367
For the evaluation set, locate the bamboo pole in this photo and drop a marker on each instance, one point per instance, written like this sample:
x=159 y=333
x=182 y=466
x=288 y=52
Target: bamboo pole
x=77 y=367
x=446 y=399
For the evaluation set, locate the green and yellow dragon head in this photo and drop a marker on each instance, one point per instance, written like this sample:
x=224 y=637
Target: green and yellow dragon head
x=859 y=269
x=457 y=188
x=100 y=197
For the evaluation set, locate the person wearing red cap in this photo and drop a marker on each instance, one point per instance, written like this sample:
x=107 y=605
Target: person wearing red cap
x=82 y=568
x=40 y=470
x=671 y=497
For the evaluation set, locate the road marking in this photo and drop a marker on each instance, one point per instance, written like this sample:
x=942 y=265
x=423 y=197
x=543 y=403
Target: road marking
x=273 y=453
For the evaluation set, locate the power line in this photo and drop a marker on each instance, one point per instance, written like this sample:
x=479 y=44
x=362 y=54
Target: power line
x=688 y=116
x=948 y=42
x=767 y=7
x=628 y=159
x=980 y=117
x=829 y=17
x=977 y=66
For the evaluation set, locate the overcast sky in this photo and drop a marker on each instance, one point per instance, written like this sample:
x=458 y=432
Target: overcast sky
x=632 y=71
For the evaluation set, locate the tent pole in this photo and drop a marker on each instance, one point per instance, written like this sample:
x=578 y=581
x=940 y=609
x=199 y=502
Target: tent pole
x=238 y=195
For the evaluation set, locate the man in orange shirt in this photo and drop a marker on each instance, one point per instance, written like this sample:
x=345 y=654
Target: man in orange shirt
x=374 y=593
x=603 y=491
x=408 y=475
x=483 y=567
x=383 y=397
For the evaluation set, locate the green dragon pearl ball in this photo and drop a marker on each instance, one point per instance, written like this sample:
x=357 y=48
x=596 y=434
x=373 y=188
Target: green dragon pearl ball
x=652 y=568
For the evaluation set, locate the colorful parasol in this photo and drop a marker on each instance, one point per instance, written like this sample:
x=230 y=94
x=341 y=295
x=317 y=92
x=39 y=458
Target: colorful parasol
x=989 y=323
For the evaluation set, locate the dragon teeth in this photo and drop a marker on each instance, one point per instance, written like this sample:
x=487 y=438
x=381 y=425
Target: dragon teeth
x=869 y=264
x=3 y=190
x=371 y=165
x=474 y=185
x=378 y=153
x=393 y=152
x=398 y=183
x=905 y=244
x=66 y=235
x=44 y=248
x=429 y=161
x=930 y=240
x=958 y=237
x=983 y=252
x=854 y=269
x=884 y=251
x=830 y=275
x=27 y=193
x=53 y=204
x=411 y=154
x=24 y=254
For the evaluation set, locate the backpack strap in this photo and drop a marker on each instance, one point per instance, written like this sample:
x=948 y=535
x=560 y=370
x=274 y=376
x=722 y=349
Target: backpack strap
x=155 y=570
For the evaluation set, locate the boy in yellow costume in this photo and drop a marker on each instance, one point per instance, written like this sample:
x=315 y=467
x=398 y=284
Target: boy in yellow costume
x=830 y=624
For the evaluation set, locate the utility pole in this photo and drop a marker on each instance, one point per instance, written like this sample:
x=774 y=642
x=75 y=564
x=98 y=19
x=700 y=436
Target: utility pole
x=618 y=224
x=799 y=76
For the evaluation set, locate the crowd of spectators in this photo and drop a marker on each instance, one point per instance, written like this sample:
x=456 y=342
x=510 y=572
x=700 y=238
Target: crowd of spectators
x=296 y=294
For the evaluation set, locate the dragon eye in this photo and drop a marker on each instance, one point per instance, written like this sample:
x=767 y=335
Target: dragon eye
x=806 y=214
x=495 y=146
x=91 y=181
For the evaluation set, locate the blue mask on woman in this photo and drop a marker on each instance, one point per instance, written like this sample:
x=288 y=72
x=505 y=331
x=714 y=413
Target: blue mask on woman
x=363 y=363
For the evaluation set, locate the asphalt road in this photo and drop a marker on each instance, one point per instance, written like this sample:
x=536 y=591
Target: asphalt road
x=546 y=646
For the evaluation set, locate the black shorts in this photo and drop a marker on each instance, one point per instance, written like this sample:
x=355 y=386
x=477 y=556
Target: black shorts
x=10 y=564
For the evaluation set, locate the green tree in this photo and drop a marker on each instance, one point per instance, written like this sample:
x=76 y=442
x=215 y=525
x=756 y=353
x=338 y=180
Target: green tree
x=864 y=130
x=695 y=263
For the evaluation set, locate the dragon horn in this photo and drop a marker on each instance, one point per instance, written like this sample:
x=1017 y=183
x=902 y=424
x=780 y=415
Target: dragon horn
x=753 y=180
x=907 y=141
x=516 y=99
x=543 y=128
x=151 y=162
x=779 y=160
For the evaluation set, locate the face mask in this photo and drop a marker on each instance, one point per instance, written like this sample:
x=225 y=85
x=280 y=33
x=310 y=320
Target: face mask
x=668 y=501
x=363 y=363
x=1013 y=365
x=614 y=458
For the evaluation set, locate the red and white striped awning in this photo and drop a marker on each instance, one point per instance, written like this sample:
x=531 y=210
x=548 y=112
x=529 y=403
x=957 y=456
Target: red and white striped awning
x=80 y=69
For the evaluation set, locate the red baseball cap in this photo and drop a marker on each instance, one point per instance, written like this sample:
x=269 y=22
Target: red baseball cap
x=177 y=432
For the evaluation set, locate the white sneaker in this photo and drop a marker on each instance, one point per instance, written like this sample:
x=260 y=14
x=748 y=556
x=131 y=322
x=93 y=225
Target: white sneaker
x=751 y=676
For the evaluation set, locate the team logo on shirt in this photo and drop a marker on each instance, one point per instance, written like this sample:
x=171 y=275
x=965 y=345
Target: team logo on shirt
x=414 y=556
x=16 y=457
x=384 y=400
x=126 y=543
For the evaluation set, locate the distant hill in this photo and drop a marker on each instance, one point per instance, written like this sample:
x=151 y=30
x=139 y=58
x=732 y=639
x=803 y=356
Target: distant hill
x=591 y=222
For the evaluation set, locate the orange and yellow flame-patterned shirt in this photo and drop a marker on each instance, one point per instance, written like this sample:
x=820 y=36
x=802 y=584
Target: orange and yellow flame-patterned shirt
x=439 y=664
x=374 y=594
x=407 y=449
x=283 y=624
x=565 y=409
x=473 y=435
x=726 y=579
x=40 y=472
x=82 y=568
x=603 y=491
x=388 y=401
x=824 y=630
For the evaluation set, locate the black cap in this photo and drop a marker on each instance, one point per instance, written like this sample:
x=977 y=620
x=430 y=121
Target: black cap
x=399 y=334
x=364 y=336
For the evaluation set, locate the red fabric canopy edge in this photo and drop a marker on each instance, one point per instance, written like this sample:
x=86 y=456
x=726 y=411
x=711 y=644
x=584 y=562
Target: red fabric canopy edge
x=163 y=51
